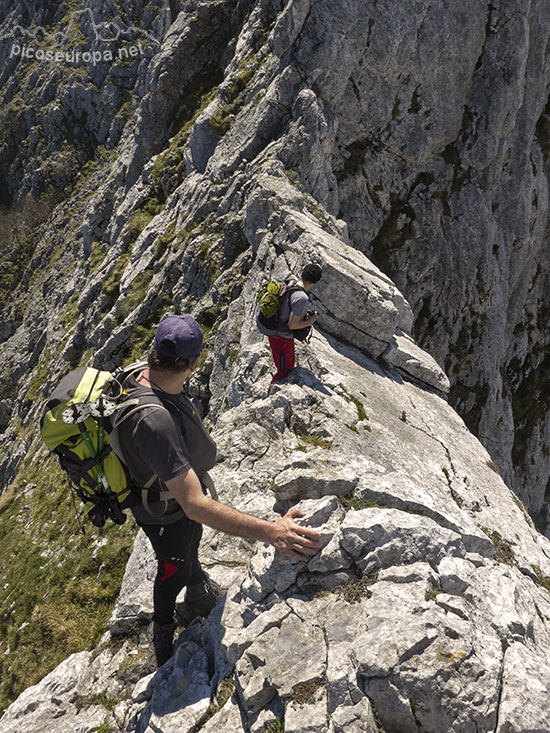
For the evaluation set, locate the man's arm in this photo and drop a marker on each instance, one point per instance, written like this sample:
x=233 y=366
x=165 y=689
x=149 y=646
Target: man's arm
x=297 y=322
x=284 y=533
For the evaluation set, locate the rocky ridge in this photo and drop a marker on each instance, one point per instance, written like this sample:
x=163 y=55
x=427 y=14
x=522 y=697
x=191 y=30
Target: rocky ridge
x=422 y=135
x=427 y=608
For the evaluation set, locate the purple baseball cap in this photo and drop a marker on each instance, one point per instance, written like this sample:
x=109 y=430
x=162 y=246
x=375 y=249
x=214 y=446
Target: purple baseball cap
x=178 y=337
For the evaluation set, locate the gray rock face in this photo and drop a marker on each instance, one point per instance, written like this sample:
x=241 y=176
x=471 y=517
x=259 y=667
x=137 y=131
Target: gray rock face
x=411 y=617
x=441 y=158
x=405 y=150
x=439 y=172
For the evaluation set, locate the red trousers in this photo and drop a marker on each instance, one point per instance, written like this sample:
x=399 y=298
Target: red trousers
x=282 y=350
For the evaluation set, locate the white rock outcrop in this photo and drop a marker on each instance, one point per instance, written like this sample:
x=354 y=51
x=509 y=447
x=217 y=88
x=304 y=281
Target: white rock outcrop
x=424 y=609
x=406 y=150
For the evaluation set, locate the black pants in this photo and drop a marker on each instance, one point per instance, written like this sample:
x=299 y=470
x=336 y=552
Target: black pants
x=176 y=548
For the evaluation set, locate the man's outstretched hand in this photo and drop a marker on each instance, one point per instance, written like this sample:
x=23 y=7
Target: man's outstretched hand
x=293 y=539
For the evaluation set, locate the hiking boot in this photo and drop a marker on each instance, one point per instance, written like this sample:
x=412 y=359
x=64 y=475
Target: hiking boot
x=200 y=599
x=163 y=642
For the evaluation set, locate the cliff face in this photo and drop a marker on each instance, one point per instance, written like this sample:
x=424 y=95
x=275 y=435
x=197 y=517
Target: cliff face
x=445 y=139
x=405 y=150
x=426 y=610
x=426 y=132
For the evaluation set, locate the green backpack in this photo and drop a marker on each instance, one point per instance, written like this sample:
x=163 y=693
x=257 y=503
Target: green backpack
x=269 y=300
x=79 y=425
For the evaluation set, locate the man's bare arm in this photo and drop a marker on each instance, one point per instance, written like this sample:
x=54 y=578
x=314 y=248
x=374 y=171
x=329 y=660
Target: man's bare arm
x=297 y=322
x=284 y=533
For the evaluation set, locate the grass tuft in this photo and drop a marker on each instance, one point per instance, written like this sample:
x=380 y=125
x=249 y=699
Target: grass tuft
x=58 y=586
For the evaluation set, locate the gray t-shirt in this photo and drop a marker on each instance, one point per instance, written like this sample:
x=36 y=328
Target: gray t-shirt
x=296 y=304
x=166 y=443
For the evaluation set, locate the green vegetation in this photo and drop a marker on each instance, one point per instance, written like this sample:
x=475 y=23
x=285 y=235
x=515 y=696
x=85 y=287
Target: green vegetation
x=166 y=240
x=19 y=238
x=361 y=414
x=111 y=286
x=503 y=548
x=137 y=345
x=203 y=254
x=40 y=372
x=208 y=226
x=432 y=594
x=58 y=586
x=313 y=441
x=169 y=167
x=142 y=216
x=223 y=117
x=522 y=508
x=306 y=693
x=137 y=293
x=209 y=320
x=75 y=38
x=294 y=179
x=274 y=726
x=357 y=590
x=103 y=699
x=457 y=499
x=541 y=579
x=68 y=316
x=225 y=691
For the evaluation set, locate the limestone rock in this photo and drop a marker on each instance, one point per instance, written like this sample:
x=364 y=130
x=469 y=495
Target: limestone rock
x=406 y=150
x=524 y=686
x=404 y=354
x=135 y=601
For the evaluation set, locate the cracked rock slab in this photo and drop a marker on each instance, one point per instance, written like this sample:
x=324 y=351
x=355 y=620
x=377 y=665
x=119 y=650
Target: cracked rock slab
x=380 y=538
x=525 y=692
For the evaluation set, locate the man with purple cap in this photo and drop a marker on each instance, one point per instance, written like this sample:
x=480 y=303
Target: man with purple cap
x=170 y=453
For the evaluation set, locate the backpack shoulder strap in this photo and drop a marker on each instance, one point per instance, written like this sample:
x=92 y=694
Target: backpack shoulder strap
x=291 y=288
x=128 y=408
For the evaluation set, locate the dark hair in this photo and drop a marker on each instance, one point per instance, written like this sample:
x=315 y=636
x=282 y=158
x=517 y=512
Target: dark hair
x=164 y=364
x=311 y=273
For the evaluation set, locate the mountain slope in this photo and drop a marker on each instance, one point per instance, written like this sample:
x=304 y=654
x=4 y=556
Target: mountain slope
x=251 y=137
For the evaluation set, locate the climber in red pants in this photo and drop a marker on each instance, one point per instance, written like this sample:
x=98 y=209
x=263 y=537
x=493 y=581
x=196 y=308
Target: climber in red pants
x=282 y=350
x=293 y=316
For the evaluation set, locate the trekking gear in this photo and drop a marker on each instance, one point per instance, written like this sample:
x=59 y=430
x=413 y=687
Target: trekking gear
x=163 y=641
x=304 y=334
x=199 y=600
x=270 y=298
x=79 y=424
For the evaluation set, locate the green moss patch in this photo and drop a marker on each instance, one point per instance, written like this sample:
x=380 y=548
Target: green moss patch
x=357 y=590
x=307 y=442
x=111 y=286
x=542 y=580
x=136 y=295
x=58 y=586
x=307 y=693
x=223 y=117
x=504 y=551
